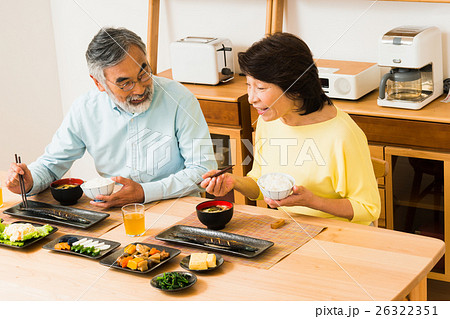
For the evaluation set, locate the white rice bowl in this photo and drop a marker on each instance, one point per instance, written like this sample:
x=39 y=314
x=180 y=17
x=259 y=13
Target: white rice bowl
x=276 y=186
x=98 y=186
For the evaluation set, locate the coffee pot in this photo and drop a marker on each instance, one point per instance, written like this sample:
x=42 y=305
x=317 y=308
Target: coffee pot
x=401 y=84
x=414 y=56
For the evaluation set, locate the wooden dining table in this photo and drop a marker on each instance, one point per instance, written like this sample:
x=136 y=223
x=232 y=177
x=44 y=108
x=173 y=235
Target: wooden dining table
x=345 y=261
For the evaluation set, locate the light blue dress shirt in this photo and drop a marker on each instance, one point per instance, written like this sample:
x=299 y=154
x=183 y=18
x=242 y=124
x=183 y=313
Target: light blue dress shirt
x=166 y=149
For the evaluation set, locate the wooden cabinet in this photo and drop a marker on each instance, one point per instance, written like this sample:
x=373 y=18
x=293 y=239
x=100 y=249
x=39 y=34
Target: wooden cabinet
x=227 y=112
x=428 y=128
x=418 y=197
x=416 y=145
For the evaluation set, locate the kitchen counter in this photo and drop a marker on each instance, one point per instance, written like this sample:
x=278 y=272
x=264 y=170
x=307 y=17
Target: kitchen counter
x=436 y=111
x=426 y=129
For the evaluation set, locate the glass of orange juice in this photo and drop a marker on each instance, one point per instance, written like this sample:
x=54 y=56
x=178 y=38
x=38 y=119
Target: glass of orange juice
x=134 y=219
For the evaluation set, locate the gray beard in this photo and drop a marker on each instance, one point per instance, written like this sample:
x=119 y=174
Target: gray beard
x=133 y=108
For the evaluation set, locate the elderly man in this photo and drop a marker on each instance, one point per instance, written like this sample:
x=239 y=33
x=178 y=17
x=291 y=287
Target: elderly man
x=145 y=132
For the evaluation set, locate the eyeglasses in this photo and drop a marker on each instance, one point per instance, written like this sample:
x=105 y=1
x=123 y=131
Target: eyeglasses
x=128 y=85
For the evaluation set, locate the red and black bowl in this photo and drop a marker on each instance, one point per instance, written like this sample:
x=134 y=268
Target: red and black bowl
x=215 y=214
x=67 y=191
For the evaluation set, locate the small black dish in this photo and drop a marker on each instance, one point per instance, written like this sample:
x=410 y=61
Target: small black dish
x=184 y=263
x=216 y=220
x=192 y=279
x=67 y=196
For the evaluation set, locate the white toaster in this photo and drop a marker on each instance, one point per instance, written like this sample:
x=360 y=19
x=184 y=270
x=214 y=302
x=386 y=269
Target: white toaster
x=202 y=60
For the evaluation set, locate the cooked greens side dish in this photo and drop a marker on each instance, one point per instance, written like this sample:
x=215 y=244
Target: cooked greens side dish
x=172 y=280
x=17 y=234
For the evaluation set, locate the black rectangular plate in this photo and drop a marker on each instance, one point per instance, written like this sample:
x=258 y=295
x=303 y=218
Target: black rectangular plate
x=33 y=240
x=92 y=216
x=103 y=253
x=260 y=244
x=110 y=260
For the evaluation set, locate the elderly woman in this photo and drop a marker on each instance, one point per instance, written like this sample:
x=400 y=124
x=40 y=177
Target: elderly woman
x=301 y=133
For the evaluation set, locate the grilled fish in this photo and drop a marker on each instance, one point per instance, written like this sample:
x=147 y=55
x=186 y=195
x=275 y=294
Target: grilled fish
x=56 y=214
x=215 y=242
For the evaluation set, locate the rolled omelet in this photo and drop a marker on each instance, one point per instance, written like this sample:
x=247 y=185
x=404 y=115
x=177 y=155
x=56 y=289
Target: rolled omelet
x=211 y=260
x=202 y=261
x=198 y=261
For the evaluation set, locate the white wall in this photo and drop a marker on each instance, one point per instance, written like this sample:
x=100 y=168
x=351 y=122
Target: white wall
x=30 y=104
x=243 y=22
x=334 y=29
x=350 y=29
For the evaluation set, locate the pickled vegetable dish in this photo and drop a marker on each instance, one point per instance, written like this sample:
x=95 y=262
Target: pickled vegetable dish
x=83 y=246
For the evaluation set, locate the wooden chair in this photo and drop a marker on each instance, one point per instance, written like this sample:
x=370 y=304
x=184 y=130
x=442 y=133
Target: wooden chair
x=381 y=169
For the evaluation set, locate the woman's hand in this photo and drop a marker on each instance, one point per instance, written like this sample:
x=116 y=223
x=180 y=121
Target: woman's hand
x=220 y=185
x=12 y=181
x=131 y=192
x=300 y=196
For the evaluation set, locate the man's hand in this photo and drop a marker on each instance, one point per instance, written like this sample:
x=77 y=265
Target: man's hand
x=12 y=181
x=131 y=192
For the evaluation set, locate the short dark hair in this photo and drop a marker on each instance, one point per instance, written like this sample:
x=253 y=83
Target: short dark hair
x=108 y=48
x=285 y=60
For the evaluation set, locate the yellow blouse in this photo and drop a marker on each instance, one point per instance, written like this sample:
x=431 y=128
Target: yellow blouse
x=329 y=158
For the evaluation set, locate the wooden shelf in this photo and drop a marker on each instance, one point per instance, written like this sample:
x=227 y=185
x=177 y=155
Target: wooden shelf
x=426 y=129
x=436 y=111
x=422 y=204
x=231 y=91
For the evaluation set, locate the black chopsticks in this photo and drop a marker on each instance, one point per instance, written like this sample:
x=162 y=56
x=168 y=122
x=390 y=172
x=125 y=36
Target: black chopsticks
x=22 y=185
x=224 y=170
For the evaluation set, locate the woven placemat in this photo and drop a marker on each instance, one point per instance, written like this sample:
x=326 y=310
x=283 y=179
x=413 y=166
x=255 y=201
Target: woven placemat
x=286 y=239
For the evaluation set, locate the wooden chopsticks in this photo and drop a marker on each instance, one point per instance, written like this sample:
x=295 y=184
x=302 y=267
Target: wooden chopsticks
x=22 y=185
